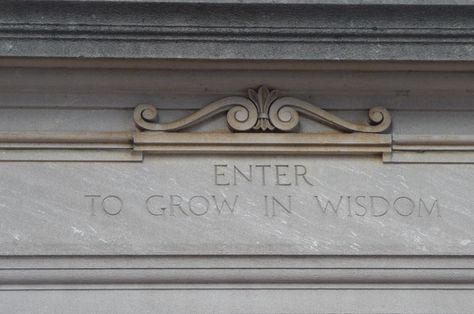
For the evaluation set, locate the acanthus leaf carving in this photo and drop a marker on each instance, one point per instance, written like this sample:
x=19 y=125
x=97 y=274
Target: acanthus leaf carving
x=263 y=110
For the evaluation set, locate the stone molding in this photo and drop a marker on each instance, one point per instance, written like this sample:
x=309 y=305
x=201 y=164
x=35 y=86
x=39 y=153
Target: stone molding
x=262 y=111
x=216 y=272
x=261 y=143
x=163 y=30
x=131 y=146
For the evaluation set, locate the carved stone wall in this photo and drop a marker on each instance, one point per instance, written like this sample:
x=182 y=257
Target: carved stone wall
x=236 y=157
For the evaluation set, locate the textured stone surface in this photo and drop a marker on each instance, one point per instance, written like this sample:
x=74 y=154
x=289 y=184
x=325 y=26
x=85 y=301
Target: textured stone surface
x=233 y=301
x=55 y=208
x=119 y=234
x=250 y=30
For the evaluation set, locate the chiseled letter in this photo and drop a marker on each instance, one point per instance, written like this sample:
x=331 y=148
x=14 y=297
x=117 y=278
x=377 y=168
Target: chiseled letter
x=324 y=209
x=224 y=203
x=281 y=177
x=373 y=207
x=175 y=202
x=281 y=206
x=263 y=172
x=407 y=211
x=357 y=201
x=157 y=210
x=194 y=207
x=300 y=171
x=219 y=174
x=429 y=211
x=92 y=197
x=237 y=170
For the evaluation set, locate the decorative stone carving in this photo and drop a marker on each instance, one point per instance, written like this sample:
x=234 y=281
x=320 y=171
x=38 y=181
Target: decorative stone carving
x=263 y=110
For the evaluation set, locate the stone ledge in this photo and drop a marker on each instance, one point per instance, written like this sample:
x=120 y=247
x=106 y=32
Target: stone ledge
x=216 y=272
x=249 y=31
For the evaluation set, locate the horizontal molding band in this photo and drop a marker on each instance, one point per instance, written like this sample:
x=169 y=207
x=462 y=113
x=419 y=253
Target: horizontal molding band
x=236 y=276
x=236 y=272
x=78 y=155
x=268 y=150
x=131 y=146
x=244 y=34
x=262 y=138
x=185 y=64
x=66 y=137
x=429 y=157
x=237 y=261
x=261 y=143
x=211 y=272
x=67 y=146
x=433 y=140
x=220 y=31
x=449 y=149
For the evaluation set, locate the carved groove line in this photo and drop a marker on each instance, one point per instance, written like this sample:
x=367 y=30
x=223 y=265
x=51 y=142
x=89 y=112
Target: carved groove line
x=263 y=110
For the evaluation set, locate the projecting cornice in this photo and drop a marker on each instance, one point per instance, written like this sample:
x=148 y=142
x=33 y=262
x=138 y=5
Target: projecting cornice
x=250 y=30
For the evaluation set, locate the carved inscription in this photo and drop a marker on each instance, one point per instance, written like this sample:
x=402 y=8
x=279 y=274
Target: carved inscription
x=110 y=204
x=279 y=176
x=378 y=206
x=197 y=205
x=282 y=175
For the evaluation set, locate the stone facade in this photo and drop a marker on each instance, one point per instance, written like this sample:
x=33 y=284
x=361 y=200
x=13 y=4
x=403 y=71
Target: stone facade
x=236 y=156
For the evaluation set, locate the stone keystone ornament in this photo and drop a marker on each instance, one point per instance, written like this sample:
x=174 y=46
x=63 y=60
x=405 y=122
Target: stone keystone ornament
x=263 y=110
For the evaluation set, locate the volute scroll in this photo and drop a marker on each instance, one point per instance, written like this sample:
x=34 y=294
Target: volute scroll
x=264 y=111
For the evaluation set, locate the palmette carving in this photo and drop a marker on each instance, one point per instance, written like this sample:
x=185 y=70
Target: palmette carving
x=263 y=110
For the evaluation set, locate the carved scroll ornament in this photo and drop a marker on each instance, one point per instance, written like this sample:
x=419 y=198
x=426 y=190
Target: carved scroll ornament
x=262 y=110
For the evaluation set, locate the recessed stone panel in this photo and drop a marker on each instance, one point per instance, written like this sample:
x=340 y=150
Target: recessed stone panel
x=315 y=205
